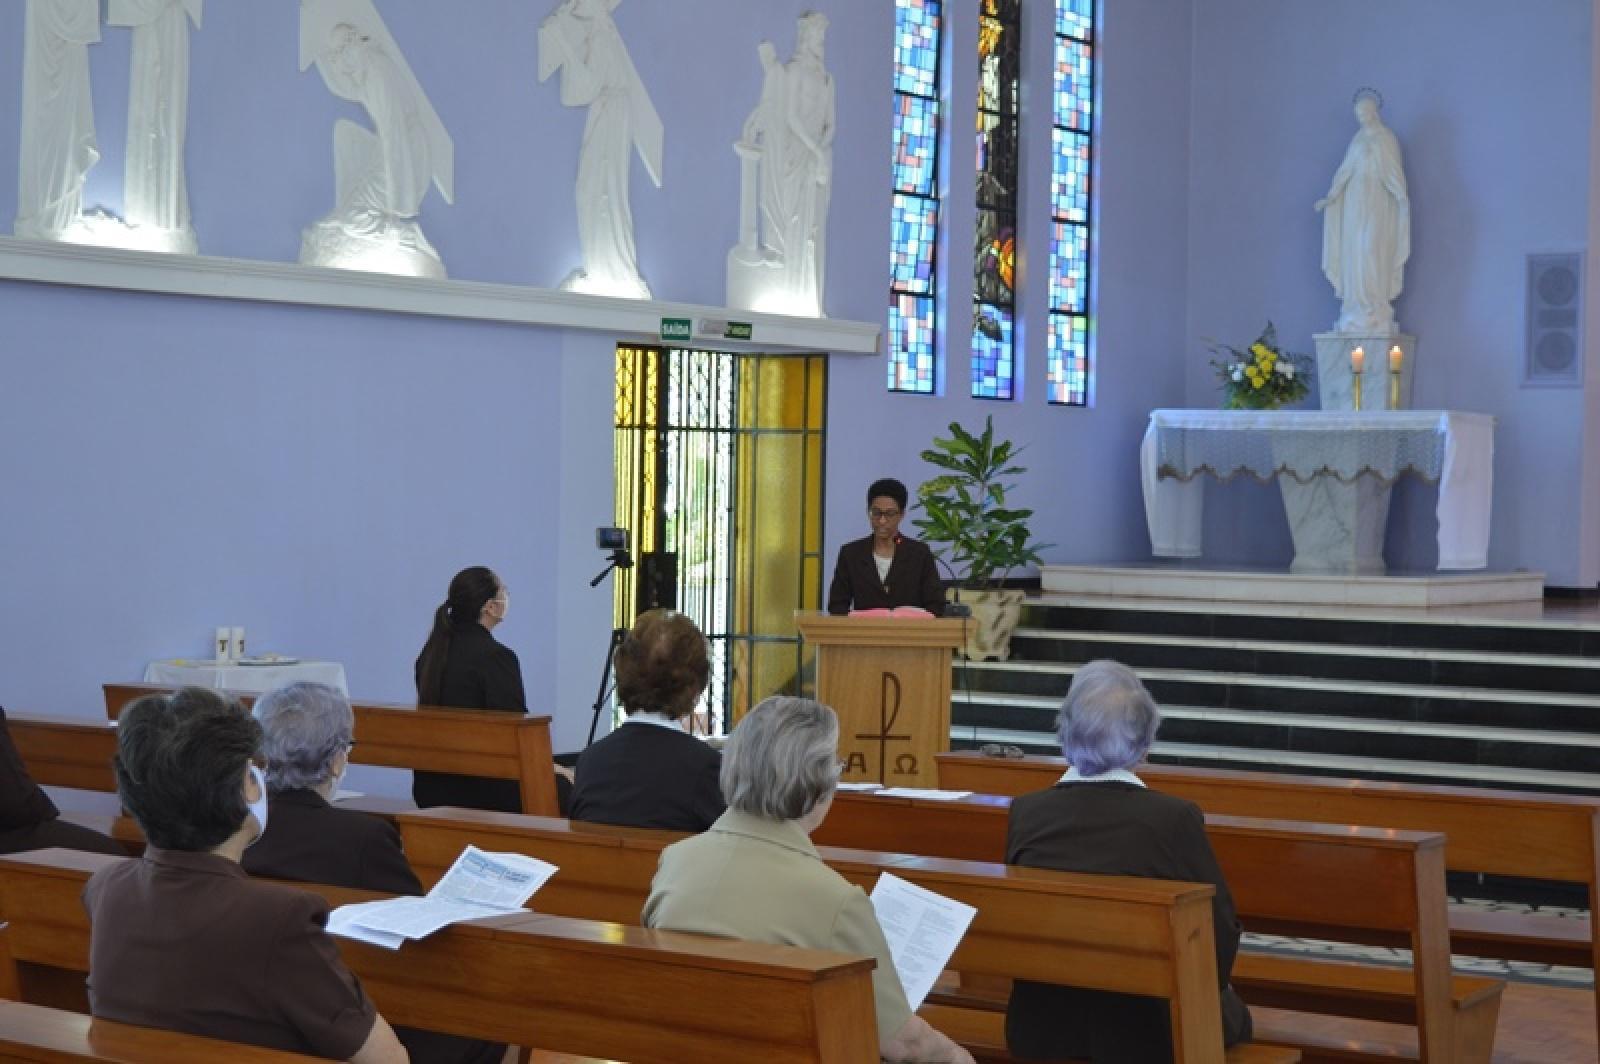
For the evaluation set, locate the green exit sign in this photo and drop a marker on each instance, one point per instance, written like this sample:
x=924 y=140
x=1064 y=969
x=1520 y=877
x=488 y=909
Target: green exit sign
x=738 y=330
x=677 y=329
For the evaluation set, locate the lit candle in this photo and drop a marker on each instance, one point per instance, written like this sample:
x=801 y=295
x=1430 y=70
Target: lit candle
x=1394 y=377
x=1357 y=357
x=1395 y=357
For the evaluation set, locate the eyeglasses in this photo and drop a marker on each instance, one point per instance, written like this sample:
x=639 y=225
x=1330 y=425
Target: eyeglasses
x=1005 y=750
x=883 y=515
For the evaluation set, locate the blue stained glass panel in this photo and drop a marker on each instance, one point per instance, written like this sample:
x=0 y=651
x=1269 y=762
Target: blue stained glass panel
x=1069 y=268
x=1067 y=360
x=911 y=344
x=1074 y=84
x=916 y=46
x=993 y=350
x=916 y=138
x=1069 y=186
x=914 y=231
x=1075 y=18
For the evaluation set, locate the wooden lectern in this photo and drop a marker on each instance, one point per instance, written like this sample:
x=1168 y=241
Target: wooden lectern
x=888 y=678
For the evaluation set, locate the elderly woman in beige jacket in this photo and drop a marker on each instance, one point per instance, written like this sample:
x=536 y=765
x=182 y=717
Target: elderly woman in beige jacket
x=755 y=875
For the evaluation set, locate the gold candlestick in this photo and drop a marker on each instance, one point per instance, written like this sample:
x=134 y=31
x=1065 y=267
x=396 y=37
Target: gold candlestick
x=1355 y=383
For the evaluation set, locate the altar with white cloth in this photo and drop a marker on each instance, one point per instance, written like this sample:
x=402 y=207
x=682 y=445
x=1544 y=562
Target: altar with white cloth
x=1334 y=468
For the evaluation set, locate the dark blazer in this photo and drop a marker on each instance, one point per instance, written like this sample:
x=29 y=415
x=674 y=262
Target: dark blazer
x=29 y=819
x=479 y=673
x=1114 y=829
x=309 y=840
x=188 y=942
x=646 y=776
x=314 y=842
x=913 y=579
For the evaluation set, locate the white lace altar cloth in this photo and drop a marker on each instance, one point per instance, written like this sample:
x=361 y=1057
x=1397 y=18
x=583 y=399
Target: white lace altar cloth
x=1451 y=448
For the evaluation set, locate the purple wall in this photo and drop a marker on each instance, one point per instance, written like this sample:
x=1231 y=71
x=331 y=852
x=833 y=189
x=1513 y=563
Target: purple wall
x=1491 y=105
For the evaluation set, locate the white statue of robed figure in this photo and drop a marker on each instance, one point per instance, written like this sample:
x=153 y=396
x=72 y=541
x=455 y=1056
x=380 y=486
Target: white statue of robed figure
x=155 y=197
x=786 y=153
x=58 y=144
x=1366 y=225
x=381 y=175
x=580 y=39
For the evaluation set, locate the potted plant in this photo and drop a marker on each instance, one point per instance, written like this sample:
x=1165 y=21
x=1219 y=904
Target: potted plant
x=968 y=521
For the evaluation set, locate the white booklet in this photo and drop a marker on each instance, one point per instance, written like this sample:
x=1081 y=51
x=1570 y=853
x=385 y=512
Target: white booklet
x=922 y=928
x=928 y=793
x=479 y=884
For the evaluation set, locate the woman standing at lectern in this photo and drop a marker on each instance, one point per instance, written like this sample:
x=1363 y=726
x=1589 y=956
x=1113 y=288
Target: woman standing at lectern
x=885 y=569
x=463 y=666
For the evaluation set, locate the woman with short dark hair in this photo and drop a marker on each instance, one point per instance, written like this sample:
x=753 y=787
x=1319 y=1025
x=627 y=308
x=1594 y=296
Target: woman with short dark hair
x=463 y=666
x=885 y=569
x=182 y=938
x=650 y=772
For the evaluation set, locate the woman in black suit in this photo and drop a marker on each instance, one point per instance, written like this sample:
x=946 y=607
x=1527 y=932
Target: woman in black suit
x=650 y=773
x=885 y=569
x=463 y=666
x=1101 y=818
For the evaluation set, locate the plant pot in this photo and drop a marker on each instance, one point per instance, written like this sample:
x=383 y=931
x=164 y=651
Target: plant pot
x=995 y=615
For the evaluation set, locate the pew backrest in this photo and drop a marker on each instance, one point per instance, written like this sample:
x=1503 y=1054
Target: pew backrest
x=65 y=751
x=34 y=1033
x=1136 y=936
x=574 y=986
x=497 y=745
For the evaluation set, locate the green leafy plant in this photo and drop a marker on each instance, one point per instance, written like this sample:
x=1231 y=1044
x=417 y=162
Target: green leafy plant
x=966 y=518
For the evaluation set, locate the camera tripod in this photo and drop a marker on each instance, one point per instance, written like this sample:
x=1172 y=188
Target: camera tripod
x=620 y=559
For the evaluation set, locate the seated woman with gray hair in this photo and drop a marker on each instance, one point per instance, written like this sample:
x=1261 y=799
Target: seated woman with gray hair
x=308 y=730
x=755 y=875
x=1101 y=818
x=307 y=733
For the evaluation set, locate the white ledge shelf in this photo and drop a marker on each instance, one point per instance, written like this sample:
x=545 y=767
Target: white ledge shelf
x=47 y=262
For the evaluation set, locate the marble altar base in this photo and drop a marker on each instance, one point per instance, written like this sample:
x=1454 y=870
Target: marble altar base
x=1337 y=527
x=1194 y=581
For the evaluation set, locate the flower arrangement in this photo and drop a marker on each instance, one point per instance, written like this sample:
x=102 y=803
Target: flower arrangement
x=1262 y=377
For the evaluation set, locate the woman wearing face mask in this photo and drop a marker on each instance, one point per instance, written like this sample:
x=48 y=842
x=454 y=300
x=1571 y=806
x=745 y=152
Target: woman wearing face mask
x=182 y=938
x=463 y=666
x=307 y=732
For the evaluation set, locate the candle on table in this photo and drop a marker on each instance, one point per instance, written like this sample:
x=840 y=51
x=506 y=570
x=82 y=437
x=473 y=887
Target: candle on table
x=1395 y=357
x=1357 y=357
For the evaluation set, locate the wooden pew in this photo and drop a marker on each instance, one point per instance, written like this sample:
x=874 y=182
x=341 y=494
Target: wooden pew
x=1136 y=936
x=1348 y=884
x=34 y=1033
x=1492 y=832
x=571 y=986
x=65 y=751
x=506 y=746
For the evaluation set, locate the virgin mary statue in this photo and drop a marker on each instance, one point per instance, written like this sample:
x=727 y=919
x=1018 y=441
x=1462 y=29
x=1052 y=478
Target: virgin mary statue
x=1366 y=226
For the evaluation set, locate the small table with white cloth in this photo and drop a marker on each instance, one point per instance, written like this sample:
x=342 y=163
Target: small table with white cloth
x=1335 y=469
x=243 y=676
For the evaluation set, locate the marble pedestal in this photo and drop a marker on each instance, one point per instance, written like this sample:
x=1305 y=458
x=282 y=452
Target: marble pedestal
x=1335 y=389
x=1338 y=528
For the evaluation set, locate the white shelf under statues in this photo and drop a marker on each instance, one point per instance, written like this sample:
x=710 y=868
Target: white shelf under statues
x=52 y=262
x=1313 y=455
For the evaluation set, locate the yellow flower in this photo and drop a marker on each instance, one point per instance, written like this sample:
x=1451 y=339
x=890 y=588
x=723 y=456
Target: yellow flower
x=1257 y=382
x=1260 y=350
x=1252 y=372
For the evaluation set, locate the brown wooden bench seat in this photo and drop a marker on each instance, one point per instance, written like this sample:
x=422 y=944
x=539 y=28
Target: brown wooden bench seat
x=1487 y=831
x=1131 y=935
x=65 y=751
x=566 y=985
x=1335 y=882
x=33 y=1033
x=507 y=746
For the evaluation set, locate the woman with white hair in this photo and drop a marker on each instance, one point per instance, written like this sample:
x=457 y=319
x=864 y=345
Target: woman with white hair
x=755 y=874
x=1101 y=818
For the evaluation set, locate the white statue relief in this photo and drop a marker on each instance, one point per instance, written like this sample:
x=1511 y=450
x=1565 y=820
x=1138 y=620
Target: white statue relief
x=580 y=39
x=58 y=143
x=1366 y=225
x=779 y=263
x=155 y=196
x=381 y=175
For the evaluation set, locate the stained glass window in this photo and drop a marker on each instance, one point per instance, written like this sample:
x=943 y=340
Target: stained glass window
x=1067 y=346
x=914 y=226
x=994 y=297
